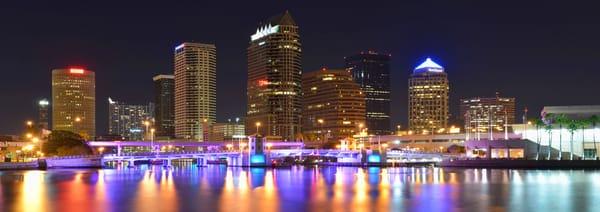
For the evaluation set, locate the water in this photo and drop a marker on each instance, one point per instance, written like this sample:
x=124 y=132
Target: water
x=218 y=188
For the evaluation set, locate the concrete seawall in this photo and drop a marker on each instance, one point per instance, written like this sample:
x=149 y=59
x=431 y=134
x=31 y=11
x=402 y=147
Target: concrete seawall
x=19 y=165
x=523 y=164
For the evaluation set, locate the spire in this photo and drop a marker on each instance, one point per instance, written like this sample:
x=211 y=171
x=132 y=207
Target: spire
x=429 y=66
x=283 y=19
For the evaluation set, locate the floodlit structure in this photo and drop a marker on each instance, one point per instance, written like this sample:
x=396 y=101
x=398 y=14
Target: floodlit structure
x=428 y=109
x=487 y=115
x=333 y=105
x=195 y=90
x=128 y=120
x=274 y=78
x=74 y=101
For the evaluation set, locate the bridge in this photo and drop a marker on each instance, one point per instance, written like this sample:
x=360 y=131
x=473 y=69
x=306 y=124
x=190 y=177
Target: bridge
x=253 y=153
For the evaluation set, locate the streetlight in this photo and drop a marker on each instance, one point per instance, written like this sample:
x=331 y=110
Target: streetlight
x=147 y=124
x=100 y=149
x=321 y=121
x=257 y=127
x=29 y=123
x=152 y=139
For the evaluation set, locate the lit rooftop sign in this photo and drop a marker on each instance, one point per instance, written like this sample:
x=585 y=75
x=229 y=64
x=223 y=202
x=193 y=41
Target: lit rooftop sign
x=429 y=66
x=44 y=102
x=264 y=31
x=180 y=46
x=76 y=71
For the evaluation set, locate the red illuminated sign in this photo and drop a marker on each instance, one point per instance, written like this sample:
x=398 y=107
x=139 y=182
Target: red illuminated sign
x=76 y=71
x=263 y=82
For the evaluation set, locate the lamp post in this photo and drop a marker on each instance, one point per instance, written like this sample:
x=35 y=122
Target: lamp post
x=152 y=139
x=147 y=124
x=320 y=121
x=257 y=127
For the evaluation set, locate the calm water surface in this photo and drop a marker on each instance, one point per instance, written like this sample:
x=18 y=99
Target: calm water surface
x=218 y=188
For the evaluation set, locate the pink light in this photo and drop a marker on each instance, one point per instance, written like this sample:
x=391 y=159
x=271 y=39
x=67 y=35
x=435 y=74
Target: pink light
x=76 y=71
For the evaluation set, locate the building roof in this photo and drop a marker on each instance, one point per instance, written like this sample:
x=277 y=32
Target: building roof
x=572 y=111
x=429 y=66
x=284 y=18
x=162 y=76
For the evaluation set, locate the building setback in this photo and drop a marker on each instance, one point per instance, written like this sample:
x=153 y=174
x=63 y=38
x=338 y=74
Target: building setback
x=481 y=114
x=274 y=79
x=333 y=105
x=128 y=120
x=195 y=90
x=228 y=131
x=164 y=111
x=74 y=101
x=428 y=89
x=371 y=71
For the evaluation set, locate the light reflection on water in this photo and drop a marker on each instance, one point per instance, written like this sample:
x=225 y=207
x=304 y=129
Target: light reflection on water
x=218 y=188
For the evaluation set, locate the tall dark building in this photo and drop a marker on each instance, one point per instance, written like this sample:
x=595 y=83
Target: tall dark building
x=274 y=79
x=371 y=71
x=43 y=114
x=128 y=120
x=164 y=110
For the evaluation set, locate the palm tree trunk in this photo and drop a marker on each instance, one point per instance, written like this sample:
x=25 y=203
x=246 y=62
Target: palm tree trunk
x=595 y=148
x=560 y=143
x=549 y=144
x=537 y=154
x=571 y=148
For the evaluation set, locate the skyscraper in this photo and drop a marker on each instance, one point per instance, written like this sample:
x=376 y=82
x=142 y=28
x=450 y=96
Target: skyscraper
x=371 y=71
x=274 y=79
x=128 y=120
x=482 y=114
x=43 y=114
x=333 y=105
x=74 y=101
x=195 y=90
x=164 y=111
x=428 y=89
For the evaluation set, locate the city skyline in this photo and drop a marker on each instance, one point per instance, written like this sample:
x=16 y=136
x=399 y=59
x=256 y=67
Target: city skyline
x=463 y=72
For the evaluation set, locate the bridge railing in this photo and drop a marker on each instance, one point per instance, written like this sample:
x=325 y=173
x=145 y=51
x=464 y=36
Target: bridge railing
x=173 y=153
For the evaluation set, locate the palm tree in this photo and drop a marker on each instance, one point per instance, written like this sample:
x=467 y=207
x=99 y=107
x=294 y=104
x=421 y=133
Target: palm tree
x=594 y=120
x=583 y=124
x=572 y=126
x=560 y=119
x=538 y=125
x=548 y=129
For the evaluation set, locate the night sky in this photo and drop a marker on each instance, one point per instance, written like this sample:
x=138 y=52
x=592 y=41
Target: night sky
x=541 y=53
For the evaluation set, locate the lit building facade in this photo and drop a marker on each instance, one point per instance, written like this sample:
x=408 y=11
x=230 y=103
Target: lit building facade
x=274 y=79
x=371 y=71
x=333 y=105
x=43 y=116
x=228 y=131
x=428 y=88
x=164 y=111
x=74 y=101
x=128 y=120
x=195 y=90
x=482 y=114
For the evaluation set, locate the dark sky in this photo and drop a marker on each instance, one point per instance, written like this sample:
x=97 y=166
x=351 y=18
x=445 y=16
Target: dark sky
x=542 y=53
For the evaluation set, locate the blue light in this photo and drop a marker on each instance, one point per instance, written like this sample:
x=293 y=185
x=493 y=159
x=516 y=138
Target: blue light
x=374 y=158
x=257 y=159
x=429 y=66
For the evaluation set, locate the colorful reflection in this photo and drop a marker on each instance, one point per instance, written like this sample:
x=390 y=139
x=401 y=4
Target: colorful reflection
x=220 y=188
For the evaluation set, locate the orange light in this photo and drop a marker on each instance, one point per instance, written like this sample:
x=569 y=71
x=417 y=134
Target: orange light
x=76 y=71
x=263 y=82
